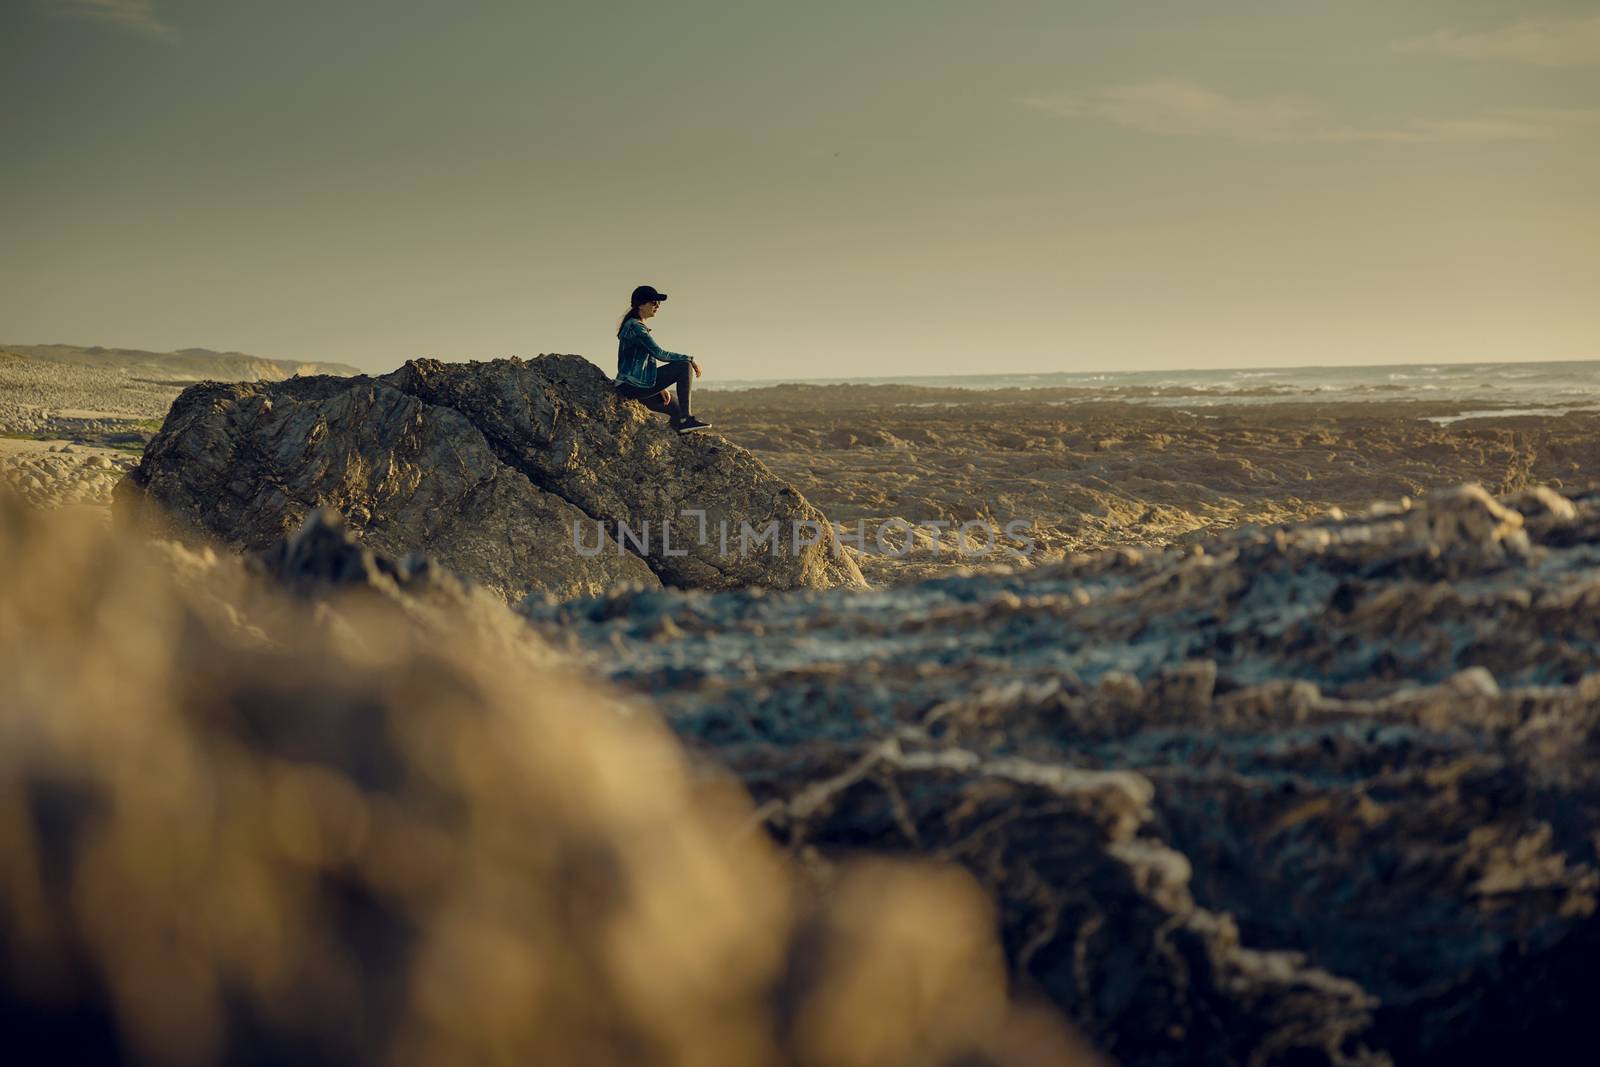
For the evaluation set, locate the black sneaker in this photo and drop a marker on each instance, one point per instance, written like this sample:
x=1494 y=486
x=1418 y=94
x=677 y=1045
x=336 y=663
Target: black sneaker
x=692 y=424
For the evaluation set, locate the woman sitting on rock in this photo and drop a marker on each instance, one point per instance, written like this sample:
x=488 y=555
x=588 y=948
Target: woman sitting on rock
x=638 y=375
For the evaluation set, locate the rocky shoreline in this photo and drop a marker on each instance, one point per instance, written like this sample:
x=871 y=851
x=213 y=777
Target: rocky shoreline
x=1330 y=788
x=1228 y=774
x=1089 y=471
x=1322 y=793
x=1075 y=469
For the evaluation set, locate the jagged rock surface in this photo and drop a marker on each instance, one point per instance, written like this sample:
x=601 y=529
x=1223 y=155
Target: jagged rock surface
x=559 y=421
x=323 y=554
x=245 y=463
x=1324 y=793
x=476 y=465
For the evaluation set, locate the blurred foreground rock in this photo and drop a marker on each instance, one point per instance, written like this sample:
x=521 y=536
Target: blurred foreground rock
x=499 y=470
x=1325 y=793
x=378 y=822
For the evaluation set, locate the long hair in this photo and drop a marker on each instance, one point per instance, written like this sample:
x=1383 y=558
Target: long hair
x=633 y=313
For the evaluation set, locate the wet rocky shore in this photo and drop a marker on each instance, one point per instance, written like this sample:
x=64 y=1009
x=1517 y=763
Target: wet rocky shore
x=1323 y=792
x=1284 y=749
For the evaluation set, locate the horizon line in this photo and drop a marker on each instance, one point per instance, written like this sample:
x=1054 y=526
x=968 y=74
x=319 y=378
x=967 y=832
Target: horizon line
x=347 y=361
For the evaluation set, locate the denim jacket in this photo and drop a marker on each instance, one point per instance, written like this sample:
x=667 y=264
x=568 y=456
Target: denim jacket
x=637 y=353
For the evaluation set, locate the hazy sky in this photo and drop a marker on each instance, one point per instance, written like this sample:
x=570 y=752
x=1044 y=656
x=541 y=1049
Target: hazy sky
x=823 y=188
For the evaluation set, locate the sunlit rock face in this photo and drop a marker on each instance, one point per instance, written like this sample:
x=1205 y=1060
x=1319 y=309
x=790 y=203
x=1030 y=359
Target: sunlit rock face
x=520 y=476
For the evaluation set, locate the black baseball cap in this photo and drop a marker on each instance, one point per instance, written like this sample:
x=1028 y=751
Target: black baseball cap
x=646 y=293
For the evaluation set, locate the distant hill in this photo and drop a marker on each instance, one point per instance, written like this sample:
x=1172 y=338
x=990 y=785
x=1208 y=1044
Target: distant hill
x=186 y=364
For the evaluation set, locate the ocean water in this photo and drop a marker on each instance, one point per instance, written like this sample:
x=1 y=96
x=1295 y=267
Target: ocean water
x=1537 y=388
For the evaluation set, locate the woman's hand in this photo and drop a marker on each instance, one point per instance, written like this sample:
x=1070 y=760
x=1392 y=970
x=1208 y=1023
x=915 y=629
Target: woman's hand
x=696 y=367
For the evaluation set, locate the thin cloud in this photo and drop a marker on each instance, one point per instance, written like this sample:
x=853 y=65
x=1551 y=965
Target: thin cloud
x=1545 y=42
x=131 y=16
x=1183 y=109
x=1503 y=124
x=1177 y=108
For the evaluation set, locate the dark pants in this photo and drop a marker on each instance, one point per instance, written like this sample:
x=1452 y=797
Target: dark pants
x=655 y=396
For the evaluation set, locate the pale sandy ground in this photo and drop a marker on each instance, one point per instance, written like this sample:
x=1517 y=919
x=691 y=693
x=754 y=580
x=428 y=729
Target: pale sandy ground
x=92 y=413
x=61 y=474
x=57 y=423
x=25 y=446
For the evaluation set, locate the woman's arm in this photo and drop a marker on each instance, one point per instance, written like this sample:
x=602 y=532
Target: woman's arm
x=643 y=334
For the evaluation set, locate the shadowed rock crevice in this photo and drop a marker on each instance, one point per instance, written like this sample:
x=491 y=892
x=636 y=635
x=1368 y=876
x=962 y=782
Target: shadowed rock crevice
x=1095 y=912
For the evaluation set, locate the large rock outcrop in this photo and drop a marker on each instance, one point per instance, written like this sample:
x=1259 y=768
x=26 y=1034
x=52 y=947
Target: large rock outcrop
x=557 y=420
x=1324 y=793
x=522 y=476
